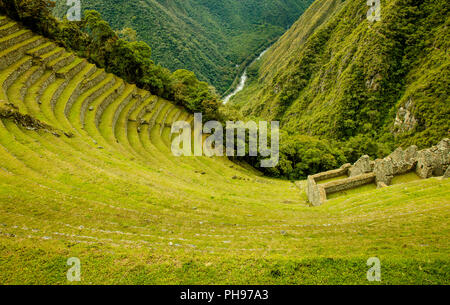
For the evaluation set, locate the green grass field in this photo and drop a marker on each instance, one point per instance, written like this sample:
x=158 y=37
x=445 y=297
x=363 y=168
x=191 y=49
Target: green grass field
x=114 y=196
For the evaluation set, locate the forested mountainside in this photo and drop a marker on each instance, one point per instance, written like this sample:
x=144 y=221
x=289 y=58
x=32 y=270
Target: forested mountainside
x=209 y=37
x=339 y=80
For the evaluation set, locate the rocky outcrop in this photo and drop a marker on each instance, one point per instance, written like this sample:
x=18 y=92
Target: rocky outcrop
x=405 y=120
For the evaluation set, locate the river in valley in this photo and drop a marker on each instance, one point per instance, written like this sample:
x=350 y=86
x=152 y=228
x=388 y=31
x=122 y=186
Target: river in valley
x=242 y=80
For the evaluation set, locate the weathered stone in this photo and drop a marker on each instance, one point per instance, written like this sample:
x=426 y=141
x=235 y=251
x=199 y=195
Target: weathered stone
x=433 y=161
x=424 y=168
x=410 y=154
x=384 y=170
x=313 y=192
x=316 y=193
x=397 y=155
x=348 y=183
x=403 y=160
x=343 y=170
x=447 y=173
x=362 y=166
x=429 y=162
x=405 y=120
x=444 y=151
x=444 y=145
x=381 y=185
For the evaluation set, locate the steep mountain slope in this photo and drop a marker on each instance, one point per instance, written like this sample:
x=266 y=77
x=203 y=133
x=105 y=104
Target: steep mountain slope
x=209 y=37
x=335 y=75
x=86 y=171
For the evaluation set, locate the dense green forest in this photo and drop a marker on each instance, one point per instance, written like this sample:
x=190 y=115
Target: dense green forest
x=343 y=86
x=208 y=37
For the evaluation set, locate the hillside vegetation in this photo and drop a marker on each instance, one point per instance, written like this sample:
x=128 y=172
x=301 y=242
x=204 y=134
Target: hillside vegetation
x=94 y=39
x=209 y=37
x=86 y=171
x=354 y=87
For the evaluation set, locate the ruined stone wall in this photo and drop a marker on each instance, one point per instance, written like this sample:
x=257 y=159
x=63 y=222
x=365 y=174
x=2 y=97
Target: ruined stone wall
x=317 y=193
x=426 y=163
x=434 y=161
x=348 y=183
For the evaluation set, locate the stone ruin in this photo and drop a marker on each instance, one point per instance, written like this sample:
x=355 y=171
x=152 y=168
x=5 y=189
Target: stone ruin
x=426 y=163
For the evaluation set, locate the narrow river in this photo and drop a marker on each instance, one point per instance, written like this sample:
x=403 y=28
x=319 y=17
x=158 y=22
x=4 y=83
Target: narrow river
x=238 y=88
x=242 y=81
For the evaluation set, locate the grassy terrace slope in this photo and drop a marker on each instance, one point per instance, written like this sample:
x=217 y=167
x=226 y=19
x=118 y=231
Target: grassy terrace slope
x=109 y=192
